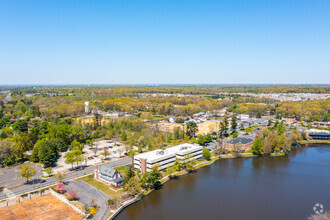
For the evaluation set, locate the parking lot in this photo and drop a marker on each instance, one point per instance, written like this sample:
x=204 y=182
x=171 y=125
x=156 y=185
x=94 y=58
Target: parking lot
x=87 y=193
x=115 y=150
x=10 y=176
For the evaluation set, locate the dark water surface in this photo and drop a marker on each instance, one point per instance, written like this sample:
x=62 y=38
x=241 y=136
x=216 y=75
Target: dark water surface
x=253 y=188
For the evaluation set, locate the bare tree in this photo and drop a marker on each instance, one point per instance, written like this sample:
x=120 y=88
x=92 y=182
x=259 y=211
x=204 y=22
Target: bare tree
x=237 y=149
x=120 y=151
x=105 y=152
x=96 y=148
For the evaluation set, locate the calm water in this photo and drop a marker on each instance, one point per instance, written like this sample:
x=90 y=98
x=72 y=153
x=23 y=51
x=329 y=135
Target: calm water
x=254 y=188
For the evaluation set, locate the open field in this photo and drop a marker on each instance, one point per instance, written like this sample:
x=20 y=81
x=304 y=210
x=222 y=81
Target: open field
x=205 y=127
x=43 y=207
x=90 y=120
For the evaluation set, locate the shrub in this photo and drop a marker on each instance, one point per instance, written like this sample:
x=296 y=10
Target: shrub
x=110 y=202
x=73 y=195
x=60 y=188
x=93 y=211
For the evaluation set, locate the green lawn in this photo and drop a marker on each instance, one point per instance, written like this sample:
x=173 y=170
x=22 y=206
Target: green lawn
x=315 y=142
x=122 y=169
x=228 y=157
x=277 y=154
x=113 y=192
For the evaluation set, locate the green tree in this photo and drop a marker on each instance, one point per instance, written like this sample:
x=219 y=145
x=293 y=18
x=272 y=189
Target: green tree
x=76 y=145
x=154 y=178
x=208 y=138
x=206 y=154
x=257 y=147
x=233 y=123
x=133 y=186
x=248 y=130
x=105 y=152
x=169 y=138
x=21 y=126
x=22 y=143
x=27 y=171
x=128 y=174
x=190 y=166
x=47 y=153
x=192 y=129
x=70 y=158
x=123 y=136
x=60 y=176
x=269 y=122
x=201 y=140
x=49 y=171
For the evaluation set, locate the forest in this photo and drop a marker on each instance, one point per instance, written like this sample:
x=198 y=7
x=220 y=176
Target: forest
x=38 y=123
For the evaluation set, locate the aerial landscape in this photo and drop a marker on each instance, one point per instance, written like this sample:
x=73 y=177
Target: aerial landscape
x=165 y=110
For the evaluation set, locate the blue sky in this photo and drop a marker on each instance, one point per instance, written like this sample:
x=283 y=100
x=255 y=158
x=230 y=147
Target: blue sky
x=172 y=41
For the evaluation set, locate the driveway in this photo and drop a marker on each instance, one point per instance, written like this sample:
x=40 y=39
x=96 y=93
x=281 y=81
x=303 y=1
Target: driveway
x=87 y=193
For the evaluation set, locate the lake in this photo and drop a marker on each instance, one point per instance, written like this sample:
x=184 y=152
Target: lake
x=246 y=188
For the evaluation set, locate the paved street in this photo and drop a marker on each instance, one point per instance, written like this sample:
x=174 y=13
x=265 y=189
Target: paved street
x=52 y=181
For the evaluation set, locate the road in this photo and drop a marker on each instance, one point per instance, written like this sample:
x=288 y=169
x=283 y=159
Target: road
x=52 y=181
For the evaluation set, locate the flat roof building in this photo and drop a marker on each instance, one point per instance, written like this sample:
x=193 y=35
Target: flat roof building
x=244 y=142
x=167 y=157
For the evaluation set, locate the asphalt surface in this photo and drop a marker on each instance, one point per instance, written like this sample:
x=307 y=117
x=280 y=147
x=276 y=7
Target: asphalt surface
x=52 y=181
x=87 y=193
x=10 y=176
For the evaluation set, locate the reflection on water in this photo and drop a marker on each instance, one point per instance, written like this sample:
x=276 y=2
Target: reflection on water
x=245 y=188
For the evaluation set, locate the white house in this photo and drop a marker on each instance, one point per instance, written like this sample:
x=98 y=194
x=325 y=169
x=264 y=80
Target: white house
x=106 y=174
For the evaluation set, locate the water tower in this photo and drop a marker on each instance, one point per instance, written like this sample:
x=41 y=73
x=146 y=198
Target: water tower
x=86 y=107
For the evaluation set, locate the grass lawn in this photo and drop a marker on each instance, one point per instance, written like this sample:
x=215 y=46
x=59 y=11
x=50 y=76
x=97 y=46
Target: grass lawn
x=315 y=142
x=276 y=154
x=122 y=169
x=248 y=155
x=206 y=162
x=228 y=157
x=113 y=192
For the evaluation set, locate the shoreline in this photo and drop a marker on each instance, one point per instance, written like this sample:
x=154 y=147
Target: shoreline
x=182 y=173
x=314 y=142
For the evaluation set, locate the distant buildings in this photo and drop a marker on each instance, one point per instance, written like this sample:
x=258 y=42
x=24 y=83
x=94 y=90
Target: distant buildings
x=167 y=157
x=243 y=117
x=106 y=174
x=321 y=124
x=220 y=112
x=317 y=134
x=289 y=120
x=287 y=96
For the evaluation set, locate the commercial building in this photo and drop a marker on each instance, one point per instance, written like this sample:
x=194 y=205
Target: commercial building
x=321 y=124
x=243 y=117
x=289 y=120
x=106 y=174
x=167 y=157
x=317 y=134
x=245 y=143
